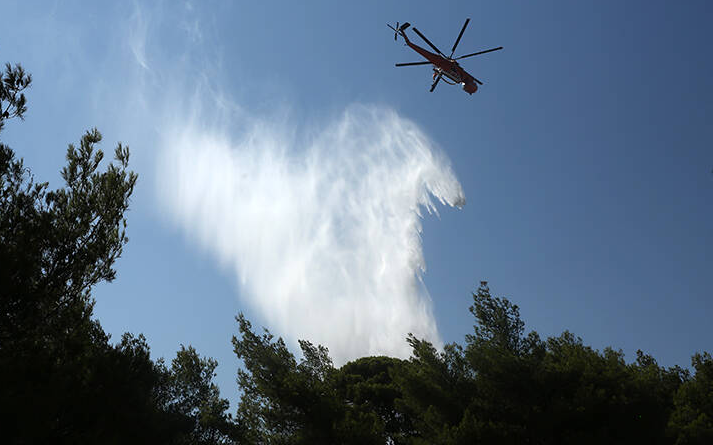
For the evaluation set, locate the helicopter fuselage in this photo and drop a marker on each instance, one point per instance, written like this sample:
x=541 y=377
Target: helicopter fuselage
x=448 y=67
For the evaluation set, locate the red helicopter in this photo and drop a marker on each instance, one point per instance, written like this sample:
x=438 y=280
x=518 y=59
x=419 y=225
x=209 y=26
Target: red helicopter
x=442 y=65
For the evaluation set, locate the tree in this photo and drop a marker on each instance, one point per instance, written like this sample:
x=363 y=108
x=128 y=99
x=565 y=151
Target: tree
x=368 y=389
x=284 y=401
x=437 y=389
x=508 y=387
x=56 y=245
x=502 y=386
x=13 y=103
x=191 y=393
x=692 y=420
x=63 y=382
x=498 y=322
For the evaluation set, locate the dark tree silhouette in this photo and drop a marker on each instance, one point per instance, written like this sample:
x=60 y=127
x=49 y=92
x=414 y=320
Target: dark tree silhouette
x=502 y=386
x=62 y=381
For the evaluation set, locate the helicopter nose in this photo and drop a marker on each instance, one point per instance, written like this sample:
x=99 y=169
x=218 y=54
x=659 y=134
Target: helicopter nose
x=470 y=87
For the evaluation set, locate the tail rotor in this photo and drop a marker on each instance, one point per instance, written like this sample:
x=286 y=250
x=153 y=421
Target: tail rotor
x=398 y=29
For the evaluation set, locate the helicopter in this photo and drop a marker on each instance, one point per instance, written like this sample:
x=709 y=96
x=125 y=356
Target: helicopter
x=442 y=65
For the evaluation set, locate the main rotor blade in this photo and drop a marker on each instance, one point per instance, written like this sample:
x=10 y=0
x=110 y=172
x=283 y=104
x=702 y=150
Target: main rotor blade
x=479 y=52
x=413 y=63
x=459 y=36
x=428 y=41
x=479 y=82
x=433 y=87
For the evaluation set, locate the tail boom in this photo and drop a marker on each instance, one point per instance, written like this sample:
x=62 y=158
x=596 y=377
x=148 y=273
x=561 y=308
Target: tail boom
x=399 y=30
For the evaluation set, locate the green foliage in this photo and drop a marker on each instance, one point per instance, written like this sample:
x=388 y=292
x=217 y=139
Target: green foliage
x=190 y=392
x=284 y=401
x=692 y=419
x=13 y=102
x=435 y=390
x=502 y=387
x=505 y=387
x=366 y=387
x=63 y=382
x=498 y=321
x=57 y=245
x=54 y=246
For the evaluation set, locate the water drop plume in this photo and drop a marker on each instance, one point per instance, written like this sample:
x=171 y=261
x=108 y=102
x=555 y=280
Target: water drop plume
x=322 y=230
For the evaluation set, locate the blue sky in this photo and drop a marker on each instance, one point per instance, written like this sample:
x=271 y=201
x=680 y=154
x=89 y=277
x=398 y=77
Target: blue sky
x=585 y=158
